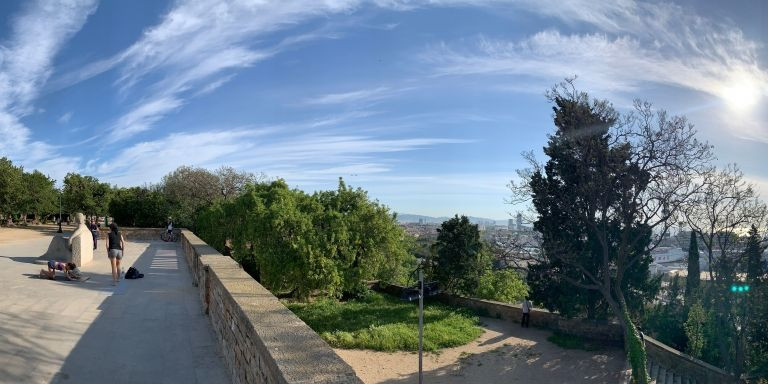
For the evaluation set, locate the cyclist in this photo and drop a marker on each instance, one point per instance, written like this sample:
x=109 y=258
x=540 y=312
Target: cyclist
x=169 y=231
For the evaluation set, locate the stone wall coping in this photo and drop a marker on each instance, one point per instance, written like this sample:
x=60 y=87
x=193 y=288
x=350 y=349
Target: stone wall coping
x=283 y=348
x=682 y=356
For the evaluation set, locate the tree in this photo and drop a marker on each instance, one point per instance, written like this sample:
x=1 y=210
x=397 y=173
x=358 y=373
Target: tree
x=754 y=252
x=139 y=207
x=458 y=261
x=232 y=182
x=696 y=330
x=725 y=205
x=190 y=190
x=11 y=188
x=692 y=280
x=755 y=312
x=503 y=285
x=328 y=243
x=608 y=194
x=85 y=194
x=40 y=194
x=666 y=321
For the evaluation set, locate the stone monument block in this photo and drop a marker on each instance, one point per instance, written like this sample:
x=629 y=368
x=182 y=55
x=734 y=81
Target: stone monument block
x=81 y=242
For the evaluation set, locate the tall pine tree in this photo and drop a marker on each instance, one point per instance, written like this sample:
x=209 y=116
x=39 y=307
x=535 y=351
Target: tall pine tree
x=692 y=281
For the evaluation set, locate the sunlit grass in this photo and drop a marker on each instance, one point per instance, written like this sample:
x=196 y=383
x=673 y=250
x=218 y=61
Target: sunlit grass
x=384 y=323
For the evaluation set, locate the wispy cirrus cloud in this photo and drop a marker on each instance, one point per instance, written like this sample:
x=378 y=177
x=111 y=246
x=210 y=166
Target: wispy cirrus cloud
x=304 y=154
x=634 y=43
x=64 y=119
x=353 y=97
x=26 y=63
x=198 y=46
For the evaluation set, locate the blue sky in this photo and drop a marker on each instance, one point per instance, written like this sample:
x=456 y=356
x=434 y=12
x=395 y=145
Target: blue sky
x=425 y=104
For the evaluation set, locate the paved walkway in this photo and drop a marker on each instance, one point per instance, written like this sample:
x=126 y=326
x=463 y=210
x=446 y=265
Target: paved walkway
x=150 y=330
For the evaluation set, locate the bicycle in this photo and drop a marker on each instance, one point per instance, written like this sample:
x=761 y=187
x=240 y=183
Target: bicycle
x=165 y=236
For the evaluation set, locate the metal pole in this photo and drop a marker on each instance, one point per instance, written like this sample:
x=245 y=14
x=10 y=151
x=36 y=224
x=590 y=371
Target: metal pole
x=421 y=319
x=59 y=231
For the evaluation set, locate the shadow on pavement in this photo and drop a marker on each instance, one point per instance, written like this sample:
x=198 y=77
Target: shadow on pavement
x=149 y=330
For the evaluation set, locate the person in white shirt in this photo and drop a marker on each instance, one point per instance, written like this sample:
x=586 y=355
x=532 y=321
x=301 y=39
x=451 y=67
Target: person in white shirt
x=526 y=307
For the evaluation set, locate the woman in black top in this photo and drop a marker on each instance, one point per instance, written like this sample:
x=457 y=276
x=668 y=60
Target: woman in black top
x=115 y=247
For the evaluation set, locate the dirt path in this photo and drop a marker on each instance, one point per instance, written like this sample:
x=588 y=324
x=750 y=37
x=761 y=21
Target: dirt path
x=505 y=353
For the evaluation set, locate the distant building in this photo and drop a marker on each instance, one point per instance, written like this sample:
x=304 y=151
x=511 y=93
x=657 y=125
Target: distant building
x=421 y=221
x=510 y=224
x=519 y=221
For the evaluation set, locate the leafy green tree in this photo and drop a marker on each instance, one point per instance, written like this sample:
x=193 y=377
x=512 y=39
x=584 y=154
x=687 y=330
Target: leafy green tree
x=503 y=285
x=696 y=330
x=85 y=194
x=756 y=310
x=754 y=253
x=40 y=196
x=458 y=260
x=139 y=207
x=328 y=243
x=692 y=280
x=724 y=205
x=666 y=321
x=190 y=190
x=607 y=195
x=362 y=235
x=11 y=188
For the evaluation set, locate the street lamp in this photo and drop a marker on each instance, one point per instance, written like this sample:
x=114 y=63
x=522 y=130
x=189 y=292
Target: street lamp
x=59 y=231
x=421 y=316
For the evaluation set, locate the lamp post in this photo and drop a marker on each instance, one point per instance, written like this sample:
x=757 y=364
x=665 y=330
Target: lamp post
x=59 y=231
x=421 y=316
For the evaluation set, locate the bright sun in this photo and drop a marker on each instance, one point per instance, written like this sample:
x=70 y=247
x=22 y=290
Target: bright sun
x=741 y=95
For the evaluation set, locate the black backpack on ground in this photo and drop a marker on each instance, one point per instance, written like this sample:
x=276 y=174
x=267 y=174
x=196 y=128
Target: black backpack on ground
x=133 y=273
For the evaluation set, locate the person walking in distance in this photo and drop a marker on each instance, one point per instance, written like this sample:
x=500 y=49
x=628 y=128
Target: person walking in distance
x=94 y=232
x=526 y=307
x=115 y=247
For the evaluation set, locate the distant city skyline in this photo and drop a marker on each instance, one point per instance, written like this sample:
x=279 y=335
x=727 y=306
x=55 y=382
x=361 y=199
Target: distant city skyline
x=427 y=105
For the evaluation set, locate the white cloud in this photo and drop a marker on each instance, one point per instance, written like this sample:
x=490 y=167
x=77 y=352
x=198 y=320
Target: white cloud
x=635 y=43
x=257 y=149
x=64 y=119
x=359 y=96
x=37 y=35
x=197 y=47
x=619 y=64
x=142 y=117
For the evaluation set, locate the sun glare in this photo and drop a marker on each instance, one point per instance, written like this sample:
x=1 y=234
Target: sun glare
x=741 y=95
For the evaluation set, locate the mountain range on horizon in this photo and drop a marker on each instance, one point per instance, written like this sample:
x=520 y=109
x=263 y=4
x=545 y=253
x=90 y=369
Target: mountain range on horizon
x=404 y=218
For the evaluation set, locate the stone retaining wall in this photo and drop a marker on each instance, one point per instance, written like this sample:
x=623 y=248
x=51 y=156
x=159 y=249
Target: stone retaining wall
x=137 y=234
x=666 y=364
x=262 y=341
x=676 y=363
x=603 y=331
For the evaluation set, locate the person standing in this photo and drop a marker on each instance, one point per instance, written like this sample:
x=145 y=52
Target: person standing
x=115 y=248
x=94 y=231
x=526 y=307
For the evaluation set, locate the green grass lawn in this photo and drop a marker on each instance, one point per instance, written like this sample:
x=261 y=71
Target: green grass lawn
x=384 y=323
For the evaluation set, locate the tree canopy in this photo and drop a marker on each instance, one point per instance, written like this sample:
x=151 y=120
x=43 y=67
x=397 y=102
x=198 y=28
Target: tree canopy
x=327 y=243
x=458 y=260
x=612 y=187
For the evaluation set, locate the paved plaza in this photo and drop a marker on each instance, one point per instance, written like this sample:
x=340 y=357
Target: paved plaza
x=150 y=330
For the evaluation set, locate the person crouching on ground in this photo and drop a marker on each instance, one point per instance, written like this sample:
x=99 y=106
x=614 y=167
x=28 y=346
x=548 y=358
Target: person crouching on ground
x=526 y=307
x=115 y=247
x=71 y=272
